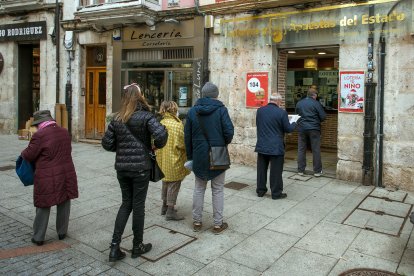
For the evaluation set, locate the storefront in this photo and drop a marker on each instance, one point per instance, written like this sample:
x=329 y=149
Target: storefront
x=338 y=49
x=165 y=60
x=20 y=45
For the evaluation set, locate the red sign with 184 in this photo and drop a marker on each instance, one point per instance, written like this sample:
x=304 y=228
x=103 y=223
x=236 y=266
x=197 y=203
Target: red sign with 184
x=257 y=89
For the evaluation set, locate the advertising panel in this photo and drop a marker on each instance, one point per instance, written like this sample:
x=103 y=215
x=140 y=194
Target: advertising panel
x=351 y=91
x=257 y=89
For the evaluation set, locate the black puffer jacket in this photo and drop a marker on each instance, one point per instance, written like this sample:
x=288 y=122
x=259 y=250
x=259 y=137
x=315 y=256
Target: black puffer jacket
x=131 y=154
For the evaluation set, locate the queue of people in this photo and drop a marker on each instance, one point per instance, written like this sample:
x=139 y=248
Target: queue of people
x=135 y=132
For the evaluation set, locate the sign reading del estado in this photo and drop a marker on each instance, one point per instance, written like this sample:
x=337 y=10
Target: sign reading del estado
x=23 y=31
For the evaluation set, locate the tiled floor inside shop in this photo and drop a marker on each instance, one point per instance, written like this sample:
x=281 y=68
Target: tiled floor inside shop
x=329 y=160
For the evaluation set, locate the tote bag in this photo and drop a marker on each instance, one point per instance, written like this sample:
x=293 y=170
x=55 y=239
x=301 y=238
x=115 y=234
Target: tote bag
x=25 y=171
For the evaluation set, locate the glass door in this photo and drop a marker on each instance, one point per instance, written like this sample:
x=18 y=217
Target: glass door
x=180 y=89
x=159 y=85
x=152 y=84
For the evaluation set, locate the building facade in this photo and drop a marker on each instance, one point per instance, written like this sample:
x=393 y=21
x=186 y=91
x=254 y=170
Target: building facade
x=359 y=54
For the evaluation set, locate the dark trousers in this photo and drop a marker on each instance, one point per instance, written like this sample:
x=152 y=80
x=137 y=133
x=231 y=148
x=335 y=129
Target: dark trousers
x=276 y=170
x=42 y=219
x=314 y=136
x=134 y=187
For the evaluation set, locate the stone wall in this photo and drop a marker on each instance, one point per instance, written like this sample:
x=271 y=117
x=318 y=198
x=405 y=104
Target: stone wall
x=229 y=62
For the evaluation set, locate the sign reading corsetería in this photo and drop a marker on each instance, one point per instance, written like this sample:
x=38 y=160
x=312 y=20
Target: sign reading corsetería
x=23 y=31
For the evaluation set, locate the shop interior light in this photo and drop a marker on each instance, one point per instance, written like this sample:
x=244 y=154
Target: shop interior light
x=291 y=52
x=321 y=53
x=310 y=63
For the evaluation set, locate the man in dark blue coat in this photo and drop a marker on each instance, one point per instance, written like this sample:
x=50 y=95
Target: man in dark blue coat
x=215 y=119
x=272 y=123
x=312 y=114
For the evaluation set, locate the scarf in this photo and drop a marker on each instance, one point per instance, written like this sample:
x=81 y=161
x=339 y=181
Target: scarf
x=45 y=124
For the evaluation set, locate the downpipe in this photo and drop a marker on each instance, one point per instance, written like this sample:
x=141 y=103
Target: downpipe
x=369 y=117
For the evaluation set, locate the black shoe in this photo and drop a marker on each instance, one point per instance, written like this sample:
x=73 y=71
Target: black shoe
x=39 y=243
x=261 y=194
x=116 y=254
x=62 y=236
x=140 y=249
x=282 y=195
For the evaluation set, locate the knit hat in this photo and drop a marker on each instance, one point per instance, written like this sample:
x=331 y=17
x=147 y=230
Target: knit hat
x=41 y=116
x=209 y=90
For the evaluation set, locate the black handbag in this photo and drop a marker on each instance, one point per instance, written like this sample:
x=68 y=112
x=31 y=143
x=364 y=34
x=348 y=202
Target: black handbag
x=218 y=155
x=156 y=173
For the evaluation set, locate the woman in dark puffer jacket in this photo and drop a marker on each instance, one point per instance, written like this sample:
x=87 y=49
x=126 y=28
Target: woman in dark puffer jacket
x=129 y=135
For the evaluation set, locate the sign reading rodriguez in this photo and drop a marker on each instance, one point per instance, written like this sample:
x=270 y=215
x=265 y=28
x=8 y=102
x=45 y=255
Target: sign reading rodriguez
x=23 y=31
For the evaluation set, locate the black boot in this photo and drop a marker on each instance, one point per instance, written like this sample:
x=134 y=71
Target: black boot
x=164 y=208
x=140 y=249
x=116 y=253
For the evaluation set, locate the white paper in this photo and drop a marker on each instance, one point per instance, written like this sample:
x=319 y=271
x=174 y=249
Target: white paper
x=293 y=118
x=189 y=165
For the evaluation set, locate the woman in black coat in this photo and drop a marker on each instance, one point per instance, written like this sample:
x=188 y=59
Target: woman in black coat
x=129 y=135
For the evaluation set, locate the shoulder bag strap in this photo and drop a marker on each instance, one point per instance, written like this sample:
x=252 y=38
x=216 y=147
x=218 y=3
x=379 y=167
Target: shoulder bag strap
x=203 y=129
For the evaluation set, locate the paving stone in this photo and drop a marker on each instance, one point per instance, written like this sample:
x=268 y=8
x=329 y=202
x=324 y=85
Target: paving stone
x=328 y=239
x=393 y=195
x=352 y=259
x=226 y=267
x=300 y=262
x=379 y=223
x=173 y=264
x=388 y=207
x=253 y=252
x=386 y=247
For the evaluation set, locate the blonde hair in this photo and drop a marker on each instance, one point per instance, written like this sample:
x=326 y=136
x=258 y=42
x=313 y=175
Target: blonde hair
x=168 y=106
x=131 y=100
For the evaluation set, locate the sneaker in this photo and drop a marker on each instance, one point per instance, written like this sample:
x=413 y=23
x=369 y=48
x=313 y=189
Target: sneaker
x=300 y=173
x=197 y=226
x=218 y=229
x=261 y=194
x=318 y=174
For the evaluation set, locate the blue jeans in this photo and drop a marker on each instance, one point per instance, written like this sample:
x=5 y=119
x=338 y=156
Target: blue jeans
x=314 y=136
x=134 y=187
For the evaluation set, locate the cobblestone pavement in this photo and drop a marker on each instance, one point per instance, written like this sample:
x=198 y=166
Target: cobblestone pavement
x=306 y=234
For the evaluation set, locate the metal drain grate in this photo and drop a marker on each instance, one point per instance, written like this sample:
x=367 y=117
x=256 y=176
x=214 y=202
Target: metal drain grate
x=167 y=241
x=7 y=168
x=235 y=185
x=381 y=211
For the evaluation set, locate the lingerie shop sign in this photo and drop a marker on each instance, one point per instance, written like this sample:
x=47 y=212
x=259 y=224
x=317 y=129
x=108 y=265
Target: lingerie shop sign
x=23 y=31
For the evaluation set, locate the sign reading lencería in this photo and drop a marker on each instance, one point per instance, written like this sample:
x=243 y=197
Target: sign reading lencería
x=23 y=31
x=160 y=37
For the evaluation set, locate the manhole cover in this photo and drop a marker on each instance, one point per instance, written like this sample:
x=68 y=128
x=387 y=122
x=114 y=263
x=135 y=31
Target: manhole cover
x=235 y=185
x=6 y=168
x=367 y=272
x=164 y=240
